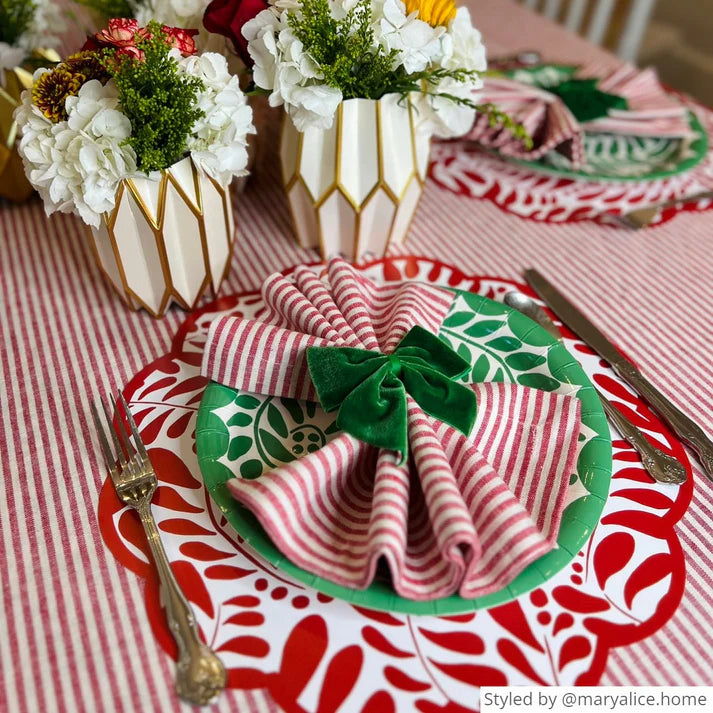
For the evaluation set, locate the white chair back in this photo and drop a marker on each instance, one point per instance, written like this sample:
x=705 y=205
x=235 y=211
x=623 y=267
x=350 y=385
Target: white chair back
x=600 y=16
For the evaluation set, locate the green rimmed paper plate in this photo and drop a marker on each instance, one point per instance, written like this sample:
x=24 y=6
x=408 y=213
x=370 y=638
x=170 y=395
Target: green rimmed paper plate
x=242 y=435
x=613 y=157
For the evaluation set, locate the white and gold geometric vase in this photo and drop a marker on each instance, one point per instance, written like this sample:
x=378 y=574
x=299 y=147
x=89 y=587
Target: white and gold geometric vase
x=354 y=189
x=167 y=241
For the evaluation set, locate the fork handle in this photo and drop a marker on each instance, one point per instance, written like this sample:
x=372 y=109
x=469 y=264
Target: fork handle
x=660 y=466
x=200 y=674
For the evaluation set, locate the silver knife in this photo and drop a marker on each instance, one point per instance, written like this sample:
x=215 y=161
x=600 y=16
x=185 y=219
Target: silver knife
x=684 y=427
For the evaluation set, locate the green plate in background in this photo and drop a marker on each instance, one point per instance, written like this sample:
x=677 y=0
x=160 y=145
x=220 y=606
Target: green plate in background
x=241 y=435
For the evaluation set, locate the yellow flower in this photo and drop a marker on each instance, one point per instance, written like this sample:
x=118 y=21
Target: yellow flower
x=52 y=88
x=434 y=12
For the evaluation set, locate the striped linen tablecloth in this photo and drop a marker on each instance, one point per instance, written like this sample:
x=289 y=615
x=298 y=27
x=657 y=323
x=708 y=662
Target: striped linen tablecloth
x=72 y=623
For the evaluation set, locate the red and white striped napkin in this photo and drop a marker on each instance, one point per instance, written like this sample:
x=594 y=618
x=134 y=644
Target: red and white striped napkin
x=465 y=514
x=547 y=120
x=651 y=112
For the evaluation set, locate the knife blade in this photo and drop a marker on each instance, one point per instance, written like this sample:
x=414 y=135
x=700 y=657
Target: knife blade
x=685 y=428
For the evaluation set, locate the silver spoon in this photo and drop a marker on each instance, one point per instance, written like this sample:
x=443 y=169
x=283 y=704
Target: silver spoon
x=660 y=466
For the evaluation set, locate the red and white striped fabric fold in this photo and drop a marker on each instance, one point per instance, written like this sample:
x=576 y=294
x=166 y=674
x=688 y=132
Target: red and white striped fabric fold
x=544 y=116
x=465 y=514
x=651 y=112
x=267 y=355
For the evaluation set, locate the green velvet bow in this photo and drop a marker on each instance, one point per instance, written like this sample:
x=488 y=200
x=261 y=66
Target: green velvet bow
x=369 y=388
x=585 y=101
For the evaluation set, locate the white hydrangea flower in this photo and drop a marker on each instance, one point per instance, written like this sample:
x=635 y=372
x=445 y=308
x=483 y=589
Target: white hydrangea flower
x=417 y=43
x=294 y=80
x=76 y=165
x=288 y=72
x=463 y=46
x=218 y=143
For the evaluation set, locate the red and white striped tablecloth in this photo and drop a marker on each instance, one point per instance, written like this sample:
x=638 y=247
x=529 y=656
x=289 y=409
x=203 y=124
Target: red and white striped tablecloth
x=73 y=633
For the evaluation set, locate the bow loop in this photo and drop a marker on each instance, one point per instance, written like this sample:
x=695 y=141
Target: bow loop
x=369 y=388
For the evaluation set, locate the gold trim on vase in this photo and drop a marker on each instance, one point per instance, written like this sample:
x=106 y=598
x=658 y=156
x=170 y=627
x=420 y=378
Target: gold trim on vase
x=293 y=176
x=128 y=190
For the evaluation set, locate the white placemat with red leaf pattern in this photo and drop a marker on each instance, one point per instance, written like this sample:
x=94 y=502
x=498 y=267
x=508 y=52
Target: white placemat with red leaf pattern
x=318 y=654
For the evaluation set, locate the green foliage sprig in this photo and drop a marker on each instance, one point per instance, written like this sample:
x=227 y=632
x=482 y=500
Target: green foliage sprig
x=344 y=49
x=350 y=61
x=159 y=100
x=349 y=58
x=16 y=18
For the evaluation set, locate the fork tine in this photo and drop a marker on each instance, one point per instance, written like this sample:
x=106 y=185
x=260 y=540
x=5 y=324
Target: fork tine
x=134 y=430
x=124 y=436
x=120 y=455
x=106 y=450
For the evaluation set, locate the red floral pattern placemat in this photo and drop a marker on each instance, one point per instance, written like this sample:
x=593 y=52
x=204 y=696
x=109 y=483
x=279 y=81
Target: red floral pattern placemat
x=464 y=169
x=314 y=653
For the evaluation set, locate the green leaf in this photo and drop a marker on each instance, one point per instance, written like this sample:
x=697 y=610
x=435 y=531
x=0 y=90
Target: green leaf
x=251 y=468
x=218 y=396
x=528 y=332
x=274 y=447
x=524 y=361
x=464 y=352
x=457 y=319
x=505 y=344
x=492 y=308
x=239 y=446
x=294 y=409
x=311 y=408
x=240 y=419
x=539 y=381
x=480 y=369
x=482 y=329
x=247 y=401
x=274 y=418
x=499 y=375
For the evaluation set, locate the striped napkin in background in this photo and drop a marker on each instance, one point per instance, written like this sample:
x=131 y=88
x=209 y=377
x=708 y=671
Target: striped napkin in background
x=651 y=112
x=465 y=514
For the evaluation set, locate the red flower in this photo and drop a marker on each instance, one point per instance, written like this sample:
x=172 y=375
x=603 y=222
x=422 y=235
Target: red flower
x=121 y=32
x=180 y=39
x=131 y=52
x=227 y=17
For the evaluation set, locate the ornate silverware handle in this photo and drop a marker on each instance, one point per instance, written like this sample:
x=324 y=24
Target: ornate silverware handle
x=661 y=466
x=200 y=674
x=684 y=427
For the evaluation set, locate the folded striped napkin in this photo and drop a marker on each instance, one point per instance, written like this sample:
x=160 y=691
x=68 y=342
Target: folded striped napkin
x=547 y=112
x=464 y=513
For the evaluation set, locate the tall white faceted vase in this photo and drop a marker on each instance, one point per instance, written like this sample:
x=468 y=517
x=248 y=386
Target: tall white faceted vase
x=167 y=241
x=354 y=189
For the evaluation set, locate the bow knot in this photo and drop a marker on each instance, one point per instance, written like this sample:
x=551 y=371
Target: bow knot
x=369 y=388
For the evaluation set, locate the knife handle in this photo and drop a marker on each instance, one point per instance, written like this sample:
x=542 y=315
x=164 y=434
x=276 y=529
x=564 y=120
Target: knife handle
x=684 y=427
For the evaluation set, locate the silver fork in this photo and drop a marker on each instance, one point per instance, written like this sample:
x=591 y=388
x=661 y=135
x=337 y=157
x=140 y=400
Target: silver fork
x=200 y=674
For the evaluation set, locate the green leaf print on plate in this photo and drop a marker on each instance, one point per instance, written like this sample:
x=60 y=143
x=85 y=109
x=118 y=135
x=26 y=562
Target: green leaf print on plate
x=502 y=345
